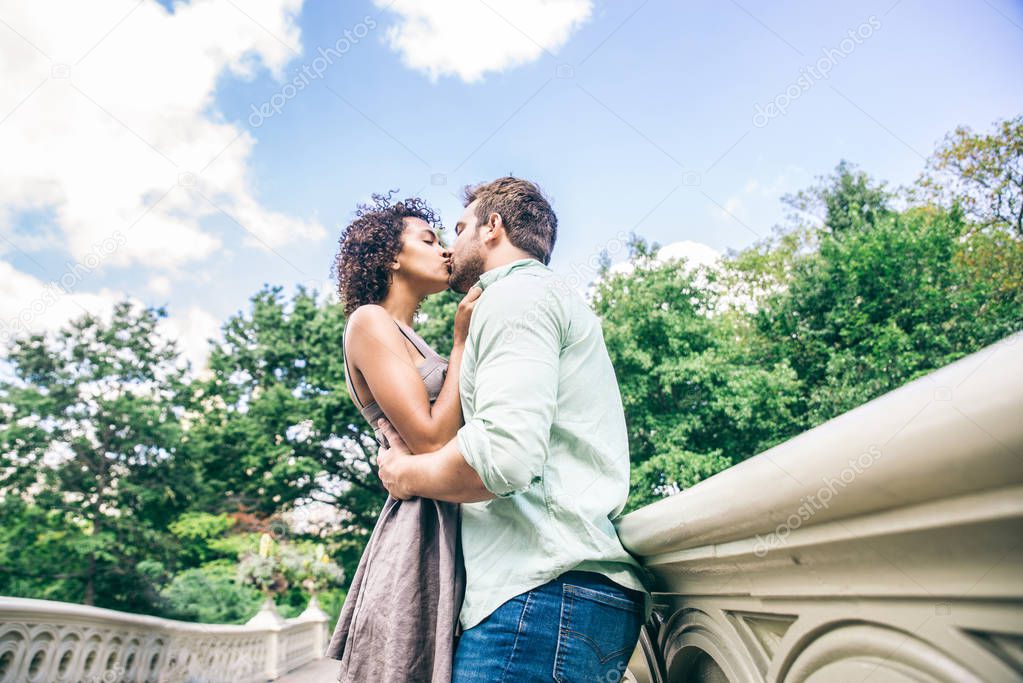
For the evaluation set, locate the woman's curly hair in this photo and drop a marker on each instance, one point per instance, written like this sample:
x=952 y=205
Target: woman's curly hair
x=370 y=244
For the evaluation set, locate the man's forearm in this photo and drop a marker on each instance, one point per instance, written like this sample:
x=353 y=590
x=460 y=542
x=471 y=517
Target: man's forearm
x=444 y=475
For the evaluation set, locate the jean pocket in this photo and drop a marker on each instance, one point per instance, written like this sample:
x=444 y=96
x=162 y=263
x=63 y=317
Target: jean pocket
x=598 y=632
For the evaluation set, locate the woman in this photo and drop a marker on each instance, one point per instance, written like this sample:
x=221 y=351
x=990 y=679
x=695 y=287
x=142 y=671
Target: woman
x=400 y=617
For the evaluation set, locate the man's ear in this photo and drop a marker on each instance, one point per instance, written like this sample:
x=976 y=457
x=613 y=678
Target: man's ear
x=494 y=224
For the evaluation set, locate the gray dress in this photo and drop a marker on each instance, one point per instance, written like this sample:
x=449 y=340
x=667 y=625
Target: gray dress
x=399 y=621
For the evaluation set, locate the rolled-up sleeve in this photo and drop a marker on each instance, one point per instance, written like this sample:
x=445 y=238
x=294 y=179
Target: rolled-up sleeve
x=517 y=335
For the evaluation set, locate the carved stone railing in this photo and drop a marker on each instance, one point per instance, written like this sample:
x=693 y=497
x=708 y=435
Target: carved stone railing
x=884 y=545
x=48 y=642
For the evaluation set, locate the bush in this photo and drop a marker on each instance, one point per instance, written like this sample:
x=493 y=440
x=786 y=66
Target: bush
x=210 y=594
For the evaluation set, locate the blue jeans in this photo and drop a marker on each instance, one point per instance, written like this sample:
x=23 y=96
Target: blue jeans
x=579 y=627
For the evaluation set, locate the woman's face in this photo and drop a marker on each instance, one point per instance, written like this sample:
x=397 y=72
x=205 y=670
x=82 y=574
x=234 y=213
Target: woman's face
x=423 y=261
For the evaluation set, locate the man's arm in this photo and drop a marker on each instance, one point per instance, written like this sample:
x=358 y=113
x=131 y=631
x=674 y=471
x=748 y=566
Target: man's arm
x=507 y=439
x=440 y=475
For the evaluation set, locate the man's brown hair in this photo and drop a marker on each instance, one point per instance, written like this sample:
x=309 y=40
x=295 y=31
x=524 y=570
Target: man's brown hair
x=528 y=217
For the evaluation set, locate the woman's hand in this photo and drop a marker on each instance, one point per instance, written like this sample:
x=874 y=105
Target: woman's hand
x=464 y=314
x=390 y=461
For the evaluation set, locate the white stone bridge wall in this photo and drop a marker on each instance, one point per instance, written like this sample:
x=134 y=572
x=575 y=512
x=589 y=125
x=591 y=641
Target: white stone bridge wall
x=42 y=641
x=884 y=545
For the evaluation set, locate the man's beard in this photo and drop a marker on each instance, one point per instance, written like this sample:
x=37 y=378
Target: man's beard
x=466 y=270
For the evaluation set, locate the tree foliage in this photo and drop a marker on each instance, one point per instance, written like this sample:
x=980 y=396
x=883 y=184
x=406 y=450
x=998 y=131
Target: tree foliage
x=982 y=173
x=689 y=383
x=882 y=302
x=92 y=435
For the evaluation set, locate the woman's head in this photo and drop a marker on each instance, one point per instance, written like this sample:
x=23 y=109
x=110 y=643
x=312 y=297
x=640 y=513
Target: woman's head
x=388 y=242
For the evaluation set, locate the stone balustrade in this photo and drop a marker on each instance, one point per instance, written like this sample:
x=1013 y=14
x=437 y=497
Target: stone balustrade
x=884 y=545
x=55 y=642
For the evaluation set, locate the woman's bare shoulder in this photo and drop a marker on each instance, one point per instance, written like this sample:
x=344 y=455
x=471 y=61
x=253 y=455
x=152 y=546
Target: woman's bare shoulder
x=371 y=325
x=369 y=315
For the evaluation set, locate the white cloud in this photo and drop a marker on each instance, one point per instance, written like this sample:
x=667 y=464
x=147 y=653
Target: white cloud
x=111 y=130
x=694 y=253
x=160 y=285
x=29 y=305
x=469 y=38
x=192 y=332
x=732 y=209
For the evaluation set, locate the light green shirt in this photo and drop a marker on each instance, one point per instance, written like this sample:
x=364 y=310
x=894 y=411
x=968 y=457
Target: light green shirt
x=545 y=431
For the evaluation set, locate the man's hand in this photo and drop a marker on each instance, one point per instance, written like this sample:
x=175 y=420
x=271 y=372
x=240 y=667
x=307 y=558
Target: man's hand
x=440 y=475
x=391 y=461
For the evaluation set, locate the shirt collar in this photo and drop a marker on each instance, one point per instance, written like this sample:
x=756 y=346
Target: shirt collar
x=494 y=274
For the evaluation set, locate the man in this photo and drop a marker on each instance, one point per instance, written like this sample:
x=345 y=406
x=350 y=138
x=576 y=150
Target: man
x=541 y=464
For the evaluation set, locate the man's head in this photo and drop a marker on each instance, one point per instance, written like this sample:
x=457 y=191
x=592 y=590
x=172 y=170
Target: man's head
x=504 y=220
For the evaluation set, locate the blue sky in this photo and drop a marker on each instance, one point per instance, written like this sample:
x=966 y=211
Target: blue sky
x=633 y=116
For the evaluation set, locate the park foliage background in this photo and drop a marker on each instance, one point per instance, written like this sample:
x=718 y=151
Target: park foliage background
x=129 y=481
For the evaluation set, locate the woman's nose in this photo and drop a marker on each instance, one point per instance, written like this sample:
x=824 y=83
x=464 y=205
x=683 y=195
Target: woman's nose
x=445 y=252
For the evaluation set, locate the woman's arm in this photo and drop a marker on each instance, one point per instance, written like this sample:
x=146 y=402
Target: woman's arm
x=376 y=348
x=441 y=475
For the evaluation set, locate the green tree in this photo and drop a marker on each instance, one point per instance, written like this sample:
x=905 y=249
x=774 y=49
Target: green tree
x=88 y=438
x=849 y=300
x=274 y=426
x=41 y=551
x=982 y=173
x=696 y=400
x=884 y=302
x=275 y=411
x=436 y=321
x=197 y=533
x=845 y=200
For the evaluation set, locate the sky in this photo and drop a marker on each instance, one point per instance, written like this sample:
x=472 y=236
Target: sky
x=185 y=154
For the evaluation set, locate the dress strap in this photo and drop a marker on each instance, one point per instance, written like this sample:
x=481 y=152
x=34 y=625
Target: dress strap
x=348 y=370
x=421 y=346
